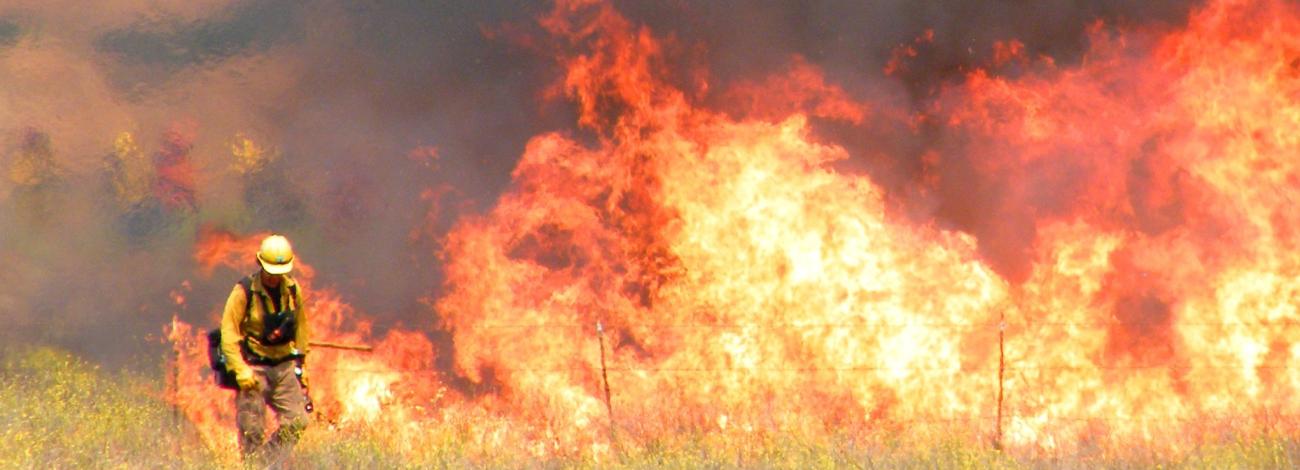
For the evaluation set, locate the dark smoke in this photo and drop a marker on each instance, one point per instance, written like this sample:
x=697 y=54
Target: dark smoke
x=241 y=29
x=389 y=121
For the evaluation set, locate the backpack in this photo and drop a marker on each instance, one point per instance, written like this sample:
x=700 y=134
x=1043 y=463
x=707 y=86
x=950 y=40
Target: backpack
x=217 y=359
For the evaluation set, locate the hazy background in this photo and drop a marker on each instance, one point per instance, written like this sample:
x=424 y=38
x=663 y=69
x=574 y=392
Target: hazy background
x=383 y=122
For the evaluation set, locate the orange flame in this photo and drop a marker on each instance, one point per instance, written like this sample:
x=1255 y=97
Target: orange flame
x=1148 y=290
x=746 y=284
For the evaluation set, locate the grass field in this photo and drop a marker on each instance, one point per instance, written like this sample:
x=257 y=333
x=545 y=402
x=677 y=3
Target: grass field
x=57 y=411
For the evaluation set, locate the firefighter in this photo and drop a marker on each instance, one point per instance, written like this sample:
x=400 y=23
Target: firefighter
x=264 y=336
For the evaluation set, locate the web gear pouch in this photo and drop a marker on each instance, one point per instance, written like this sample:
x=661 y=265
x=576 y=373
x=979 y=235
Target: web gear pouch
x=278 y=328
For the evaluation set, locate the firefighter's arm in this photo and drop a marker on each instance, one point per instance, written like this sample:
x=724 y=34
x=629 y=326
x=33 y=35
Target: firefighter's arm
x=231 y=334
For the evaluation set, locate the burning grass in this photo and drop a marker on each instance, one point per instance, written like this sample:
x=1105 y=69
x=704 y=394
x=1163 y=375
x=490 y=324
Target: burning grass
x=58 y=411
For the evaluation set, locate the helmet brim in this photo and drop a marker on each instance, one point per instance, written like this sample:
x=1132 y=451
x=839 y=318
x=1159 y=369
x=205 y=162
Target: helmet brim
x=272 y=268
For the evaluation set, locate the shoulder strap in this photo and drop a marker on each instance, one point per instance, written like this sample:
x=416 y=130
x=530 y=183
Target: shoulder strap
x=247 y=284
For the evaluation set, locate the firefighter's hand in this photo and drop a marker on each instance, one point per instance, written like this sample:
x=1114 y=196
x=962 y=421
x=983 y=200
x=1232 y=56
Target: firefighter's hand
x=302 y=377
x=246 y=381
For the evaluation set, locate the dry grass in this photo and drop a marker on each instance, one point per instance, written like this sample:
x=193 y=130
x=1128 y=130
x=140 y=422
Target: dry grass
x=59 y=412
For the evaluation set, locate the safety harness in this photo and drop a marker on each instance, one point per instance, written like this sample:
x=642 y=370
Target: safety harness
x=278 y=327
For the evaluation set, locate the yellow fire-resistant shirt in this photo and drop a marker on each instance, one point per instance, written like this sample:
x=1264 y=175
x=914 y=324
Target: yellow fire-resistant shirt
x=236 y=325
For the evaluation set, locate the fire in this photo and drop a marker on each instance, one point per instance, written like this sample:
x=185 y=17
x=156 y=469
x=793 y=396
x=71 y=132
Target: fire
x=746 y=284
x=742 y=281
x=366 y=392
x=1138 y=282
x=1159 y=292
x=217 y=248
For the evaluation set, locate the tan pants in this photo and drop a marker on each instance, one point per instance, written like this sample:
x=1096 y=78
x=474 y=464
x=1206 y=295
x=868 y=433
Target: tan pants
x=284 y=394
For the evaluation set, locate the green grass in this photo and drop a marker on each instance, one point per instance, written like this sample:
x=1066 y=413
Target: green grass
x=57 y=411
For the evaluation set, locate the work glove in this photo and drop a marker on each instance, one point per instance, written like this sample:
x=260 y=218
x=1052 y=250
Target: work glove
x=246 y=380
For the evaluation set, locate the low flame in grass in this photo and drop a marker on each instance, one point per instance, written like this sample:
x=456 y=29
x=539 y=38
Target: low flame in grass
x=366 y=392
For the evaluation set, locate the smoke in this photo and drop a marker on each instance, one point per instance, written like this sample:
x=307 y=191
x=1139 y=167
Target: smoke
x=365 y=130
x=126 y=131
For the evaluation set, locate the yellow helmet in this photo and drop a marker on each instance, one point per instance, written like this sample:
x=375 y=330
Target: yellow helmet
x=276 y=256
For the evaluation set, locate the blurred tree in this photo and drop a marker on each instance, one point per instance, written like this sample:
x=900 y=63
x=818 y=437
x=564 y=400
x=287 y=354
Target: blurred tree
x=174 y=186
x=37 y=179
x=130 y=178
x=271 y=196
